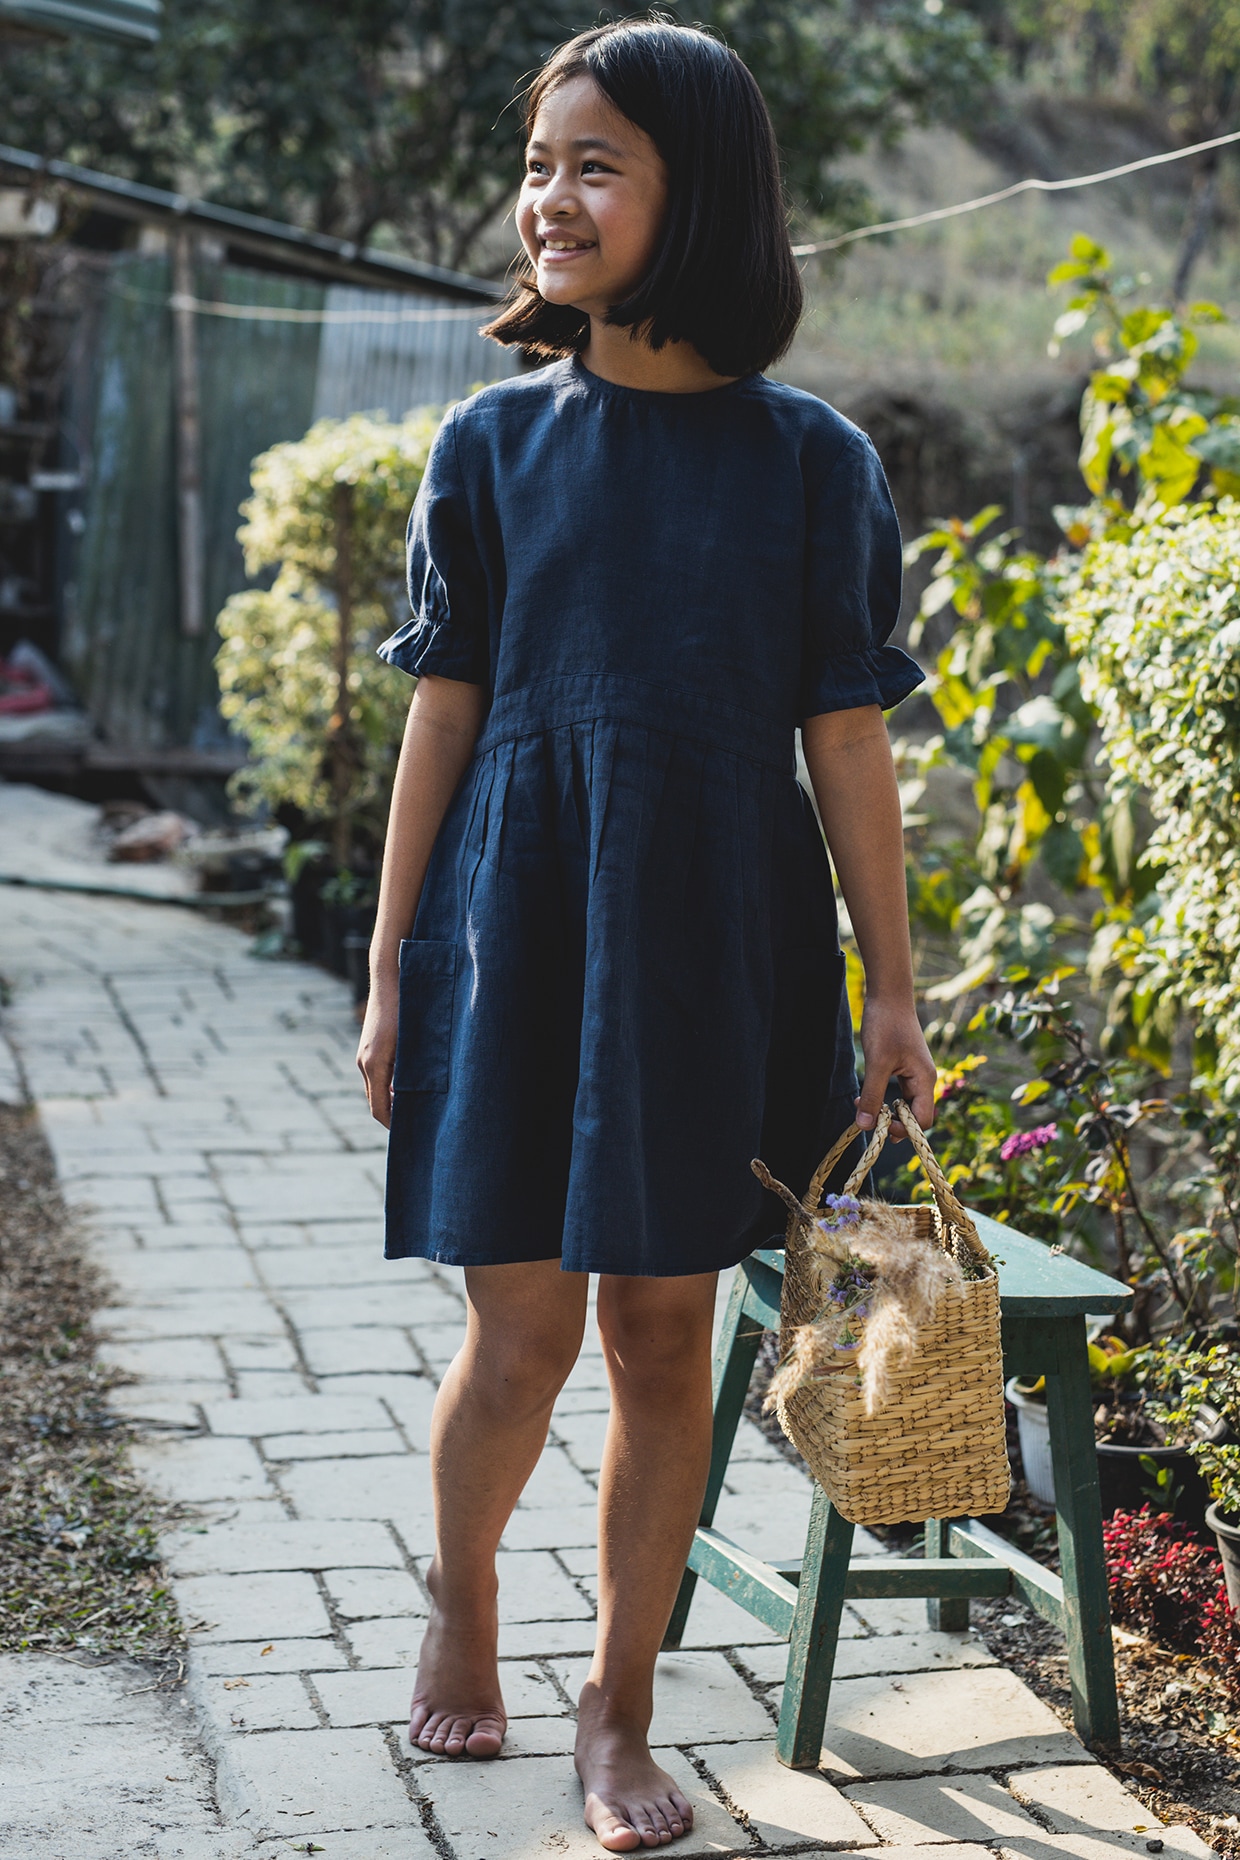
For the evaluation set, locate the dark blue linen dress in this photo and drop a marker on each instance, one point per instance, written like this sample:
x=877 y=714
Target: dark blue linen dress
x=624 y=979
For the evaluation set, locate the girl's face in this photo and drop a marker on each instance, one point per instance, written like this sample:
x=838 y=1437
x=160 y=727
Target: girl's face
x=593 y=201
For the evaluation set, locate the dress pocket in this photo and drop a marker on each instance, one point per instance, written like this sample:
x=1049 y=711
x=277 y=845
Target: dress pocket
x=424 y=1025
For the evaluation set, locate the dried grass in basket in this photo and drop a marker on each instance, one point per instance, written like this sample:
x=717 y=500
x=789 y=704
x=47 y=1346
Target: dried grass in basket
x=934 y=1446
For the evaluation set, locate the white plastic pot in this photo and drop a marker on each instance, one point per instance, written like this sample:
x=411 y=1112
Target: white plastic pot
x=1033 y=1425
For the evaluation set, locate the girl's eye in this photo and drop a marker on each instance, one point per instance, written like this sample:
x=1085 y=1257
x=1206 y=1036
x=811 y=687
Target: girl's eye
x=534 y=167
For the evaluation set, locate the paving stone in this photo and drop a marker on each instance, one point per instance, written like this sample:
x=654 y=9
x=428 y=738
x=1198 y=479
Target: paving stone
x=929 y=1809
x=269 y=1385
x=292 y=1543
x=1179 y=1843
x=296 y=1414
x=411 y=1398
x=229 y=1658
x=301 y=1266
x=358 y=1350
x=197 y=1269
x=716 y=1621
x=343 y=1306
x=556 y=1482
x=263 y=1702
x=360 y=1594
x=772 y=1526
x=388 y=1641
x=186 y=1235
x=191 y=1359
x=785 y=1808
x=529 y=1809
x=893 y=1615
x=439 y=1343
x=246 y=1353
x=193 y=1472
x=981 y=1719
x=519 y=1640
x=877 y=1653
x=593 y=1400
x=386 y=1486
x=302 y=1783
x=362 y=1446
x=1075 y=1797
x=376 y=1844
x=698 y=1699
x=583 y=1435
x=202 y=1314
x=166 y=1404
x=286 y=1606
x=555 y=1527
x=533 y=1587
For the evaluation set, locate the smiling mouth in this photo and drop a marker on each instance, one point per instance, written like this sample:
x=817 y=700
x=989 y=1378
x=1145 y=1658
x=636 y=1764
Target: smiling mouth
x=562 y=247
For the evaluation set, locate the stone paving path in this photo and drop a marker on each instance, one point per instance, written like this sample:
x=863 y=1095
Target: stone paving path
x=204 y=1105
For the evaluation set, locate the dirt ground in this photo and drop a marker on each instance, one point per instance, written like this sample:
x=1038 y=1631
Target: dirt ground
x=79 y=1569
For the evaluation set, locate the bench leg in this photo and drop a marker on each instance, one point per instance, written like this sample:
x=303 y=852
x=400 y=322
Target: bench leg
x=950 y=1613
x=815 y=1634
x=1087 y=1613
x=735 y=1355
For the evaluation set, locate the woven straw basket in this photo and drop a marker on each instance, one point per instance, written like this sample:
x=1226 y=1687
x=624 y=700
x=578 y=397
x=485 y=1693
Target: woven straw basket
x=937 y=1448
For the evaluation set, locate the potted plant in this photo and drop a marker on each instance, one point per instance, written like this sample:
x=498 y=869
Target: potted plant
x=1146 y=1448
x=1209 y=1403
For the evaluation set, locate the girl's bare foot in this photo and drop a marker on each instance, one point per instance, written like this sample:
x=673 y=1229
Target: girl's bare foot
x=457 y=1708
x=630 y=1801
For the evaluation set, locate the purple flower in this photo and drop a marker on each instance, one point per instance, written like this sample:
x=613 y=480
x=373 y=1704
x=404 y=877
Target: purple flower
x=839 y=1211
x=1021 y=1142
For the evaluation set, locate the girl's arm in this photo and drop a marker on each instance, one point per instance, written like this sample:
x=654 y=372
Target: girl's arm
x=848 y=756
x=444 y=720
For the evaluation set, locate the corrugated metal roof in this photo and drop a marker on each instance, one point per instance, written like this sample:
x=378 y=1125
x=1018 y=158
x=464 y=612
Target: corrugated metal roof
x=310 y=252
x=104 y=19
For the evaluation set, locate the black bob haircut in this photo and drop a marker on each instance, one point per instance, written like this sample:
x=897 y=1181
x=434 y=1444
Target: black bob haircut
x=724 y=277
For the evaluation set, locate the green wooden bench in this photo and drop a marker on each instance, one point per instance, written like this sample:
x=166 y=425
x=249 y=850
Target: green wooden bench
x=1045 y=1298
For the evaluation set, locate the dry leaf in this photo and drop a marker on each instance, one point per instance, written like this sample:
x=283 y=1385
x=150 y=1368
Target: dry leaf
x=230 y=1685
x=269 y=1648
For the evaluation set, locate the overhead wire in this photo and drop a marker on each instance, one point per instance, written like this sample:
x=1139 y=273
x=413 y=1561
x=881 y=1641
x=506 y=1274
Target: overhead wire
x=1030 y=186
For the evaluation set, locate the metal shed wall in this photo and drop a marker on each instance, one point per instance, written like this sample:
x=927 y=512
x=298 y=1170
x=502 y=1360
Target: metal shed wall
x=383 y=352
x=144 y=683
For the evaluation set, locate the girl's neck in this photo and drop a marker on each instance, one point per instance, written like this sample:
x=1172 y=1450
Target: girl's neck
x=676 y=368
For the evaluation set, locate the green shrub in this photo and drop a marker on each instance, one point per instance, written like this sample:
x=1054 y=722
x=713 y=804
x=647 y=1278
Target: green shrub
x=297 y=668
x=1154 y=620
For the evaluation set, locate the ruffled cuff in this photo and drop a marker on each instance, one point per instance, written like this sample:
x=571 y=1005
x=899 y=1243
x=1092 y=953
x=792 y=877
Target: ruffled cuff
x=881 y=675
x=425 y=644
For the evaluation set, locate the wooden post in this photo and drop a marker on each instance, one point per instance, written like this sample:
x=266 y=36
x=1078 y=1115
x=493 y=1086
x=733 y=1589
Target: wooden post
x=340 y=742
x=188 y=436
x=815 y=1635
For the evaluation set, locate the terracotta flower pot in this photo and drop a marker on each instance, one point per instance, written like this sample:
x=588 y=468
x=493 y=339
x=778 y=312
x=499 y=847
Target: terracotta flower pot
x=1227 y=1533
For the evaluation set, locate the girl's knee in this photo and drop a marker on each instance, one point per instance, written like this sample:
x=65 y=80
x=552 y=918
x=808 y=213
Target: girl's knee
x=517 y=1373
x=656 y=1328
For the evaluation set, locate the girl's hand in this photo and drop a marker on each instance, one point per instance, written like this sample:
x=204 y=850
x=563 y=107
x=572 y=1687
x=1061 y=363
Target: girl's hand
x=895 y=1047
x=376 y=1050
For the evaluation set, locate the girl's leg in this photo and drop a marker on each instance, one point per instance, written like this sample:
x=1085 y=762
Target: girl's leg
x=657 y=1340
x=523 y=1335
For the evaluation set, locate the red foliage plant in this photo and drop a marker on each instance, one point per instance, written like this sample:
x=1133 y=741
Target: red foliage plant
x=1168 y=1586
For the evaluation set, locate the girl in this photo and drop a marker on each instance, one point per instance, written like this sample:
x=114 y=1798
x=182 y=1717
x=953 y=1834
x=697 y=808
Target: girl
x=605 y=973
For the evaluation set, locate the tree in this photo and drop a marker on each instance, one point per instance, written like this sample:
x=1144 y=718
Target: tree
x=396 y=118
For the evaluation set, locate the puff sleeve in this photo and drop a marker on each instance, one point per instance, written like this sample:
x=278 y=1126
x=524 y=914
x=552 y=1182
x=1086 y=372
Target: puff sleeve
x=852 y=587
x=448 y=635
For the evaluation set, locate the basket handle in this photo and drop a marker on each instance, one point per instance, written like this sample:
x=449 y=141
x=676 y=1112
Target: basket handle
x=949 y=1205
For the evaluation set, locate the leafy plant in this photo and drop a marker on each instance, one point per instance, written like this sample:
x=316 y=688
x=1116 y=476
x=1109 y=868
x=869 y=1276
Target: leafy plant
x=297 y=668
x=1210 y=1388
x=1166 y=1585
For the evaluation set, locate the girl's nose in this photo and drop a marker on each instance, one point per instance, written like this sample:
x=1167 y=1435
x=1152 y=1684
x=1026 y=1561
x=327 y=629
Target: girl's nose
x=558 y=200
